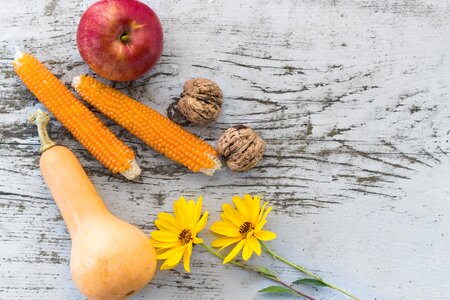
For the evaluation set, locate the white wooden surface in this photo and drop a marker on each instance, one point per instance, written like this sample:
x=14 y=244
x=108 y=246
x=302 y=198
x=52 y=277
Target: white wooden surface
x=351 y=96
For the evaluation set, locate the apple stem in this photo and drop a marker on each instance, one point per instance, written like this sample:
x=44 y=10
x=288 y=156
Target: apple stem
x=124 y=37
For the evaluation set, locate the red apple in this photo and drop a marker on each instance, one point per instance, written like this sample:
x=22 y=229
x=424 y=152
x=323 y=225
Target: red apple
x=120 y=39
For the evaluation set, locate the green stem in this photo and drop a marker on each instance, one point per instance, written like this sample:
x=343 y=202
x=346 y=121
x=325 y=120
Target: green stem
x=125 y=38
x=272 y=276
x=304 y=270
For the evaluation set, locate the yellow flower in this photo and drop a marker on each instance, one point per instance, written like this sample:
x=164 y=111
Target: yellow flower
x=242 y=225
x=177 y=233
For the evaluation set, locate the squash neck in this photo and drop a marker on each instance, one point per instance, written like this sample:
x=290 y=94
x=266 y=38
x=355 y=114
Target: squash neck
x=76 y=197
x=82 y=210
x=74 y=194
x=77 y=216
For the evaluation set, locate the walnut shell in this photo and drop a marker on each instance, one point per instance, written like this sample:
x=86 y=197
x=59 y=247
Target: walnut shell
x=241 y=147
x=200 y=101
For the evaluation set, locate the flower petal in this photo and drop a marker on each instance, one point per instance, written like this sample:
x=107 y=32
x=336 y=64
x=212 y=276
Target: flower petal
x=266 y=213
x=224 y=218
x=233 y=215
x=261 y=212
x=172 y=261
x=164 y=236
x=225 y=228
x=247 y=252
x=180 y=209
x=249 y=204
x=168 y=221
x=201 y=223
x=198 y=208
x=241 y=207
x=197 y=240
x=167 y=254
x=224 y=241
x=260 y=225
x=187 y=257
x=254 y=243
x=234 y=252
x=168 y=218
x=190 y=213
x=160 y=251
x=164 y=245
x=265 y=235
x=255 y=205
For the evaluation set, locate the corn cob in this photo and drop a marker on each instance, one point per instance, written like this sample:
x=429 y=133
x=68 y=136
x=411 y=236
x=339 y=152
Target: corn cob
x=77 y=118
x=154 y=129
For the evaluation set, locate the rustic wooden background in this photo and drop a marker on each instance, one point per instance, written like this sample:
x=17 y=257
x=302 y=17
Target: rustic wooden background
x=352 y=98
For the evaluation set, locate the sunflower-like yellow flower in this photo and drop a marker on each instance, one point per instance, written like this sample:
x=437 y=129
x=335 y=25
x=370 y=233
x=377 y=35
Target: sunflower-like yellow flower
x=243 y=225
x=177 y=233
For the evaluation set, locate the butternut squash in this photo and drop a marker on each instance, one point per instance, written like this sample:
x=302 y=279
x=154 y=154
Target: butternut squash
x=110 y=259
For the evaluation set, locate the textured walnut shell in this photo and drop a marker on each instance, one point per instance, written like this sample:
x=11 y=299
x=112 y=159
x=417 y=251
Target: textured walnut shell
x=241 y=147
x=200 y=101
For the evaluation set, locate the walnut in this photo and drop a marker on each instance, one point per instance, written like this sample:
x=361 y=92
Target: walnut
x=200 y=101
x=175 y=115
x=241 y=147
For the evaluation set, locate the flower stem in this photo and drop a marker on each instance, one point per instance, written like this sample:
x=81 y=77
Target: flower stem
x=304 y=270
x=270 y=275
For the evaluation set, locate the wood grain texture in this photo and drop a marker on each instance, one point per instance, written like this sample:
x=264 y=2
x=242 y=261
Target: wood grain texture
x=352 y=98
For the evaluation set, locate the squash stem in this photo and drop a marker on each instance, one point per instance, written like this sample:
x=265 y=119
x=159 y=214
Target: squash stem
x=41 y=119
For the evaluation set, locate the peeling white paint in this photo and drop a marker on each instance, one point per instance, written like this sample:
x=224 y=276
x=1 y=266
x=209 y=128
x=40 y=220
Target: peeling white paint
x=352 y=98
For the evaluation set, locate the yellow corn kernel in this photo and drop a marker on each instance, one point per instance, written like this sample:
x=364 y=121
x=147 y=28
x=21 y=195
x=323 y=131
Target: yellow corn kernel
x=154 y=129
x=77 y=118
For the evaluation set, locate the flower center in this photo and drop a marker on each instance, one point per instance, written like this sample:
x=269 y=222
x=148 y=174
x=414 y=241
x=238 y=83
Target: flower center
x=245 y=229
x=185 y=236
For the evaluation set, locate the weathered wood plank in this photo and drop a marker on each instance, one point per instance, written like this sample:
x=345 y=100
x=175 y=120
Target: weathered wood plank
x=351 y=97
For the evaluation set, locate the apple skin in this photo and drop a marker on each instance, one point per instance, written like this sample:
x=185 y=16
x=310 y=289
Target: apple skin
x=120 y=39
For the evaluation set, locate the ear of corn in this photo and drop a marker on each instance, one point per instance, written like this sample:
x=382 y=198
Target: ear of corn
x=154 y=129
x=77 y=118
